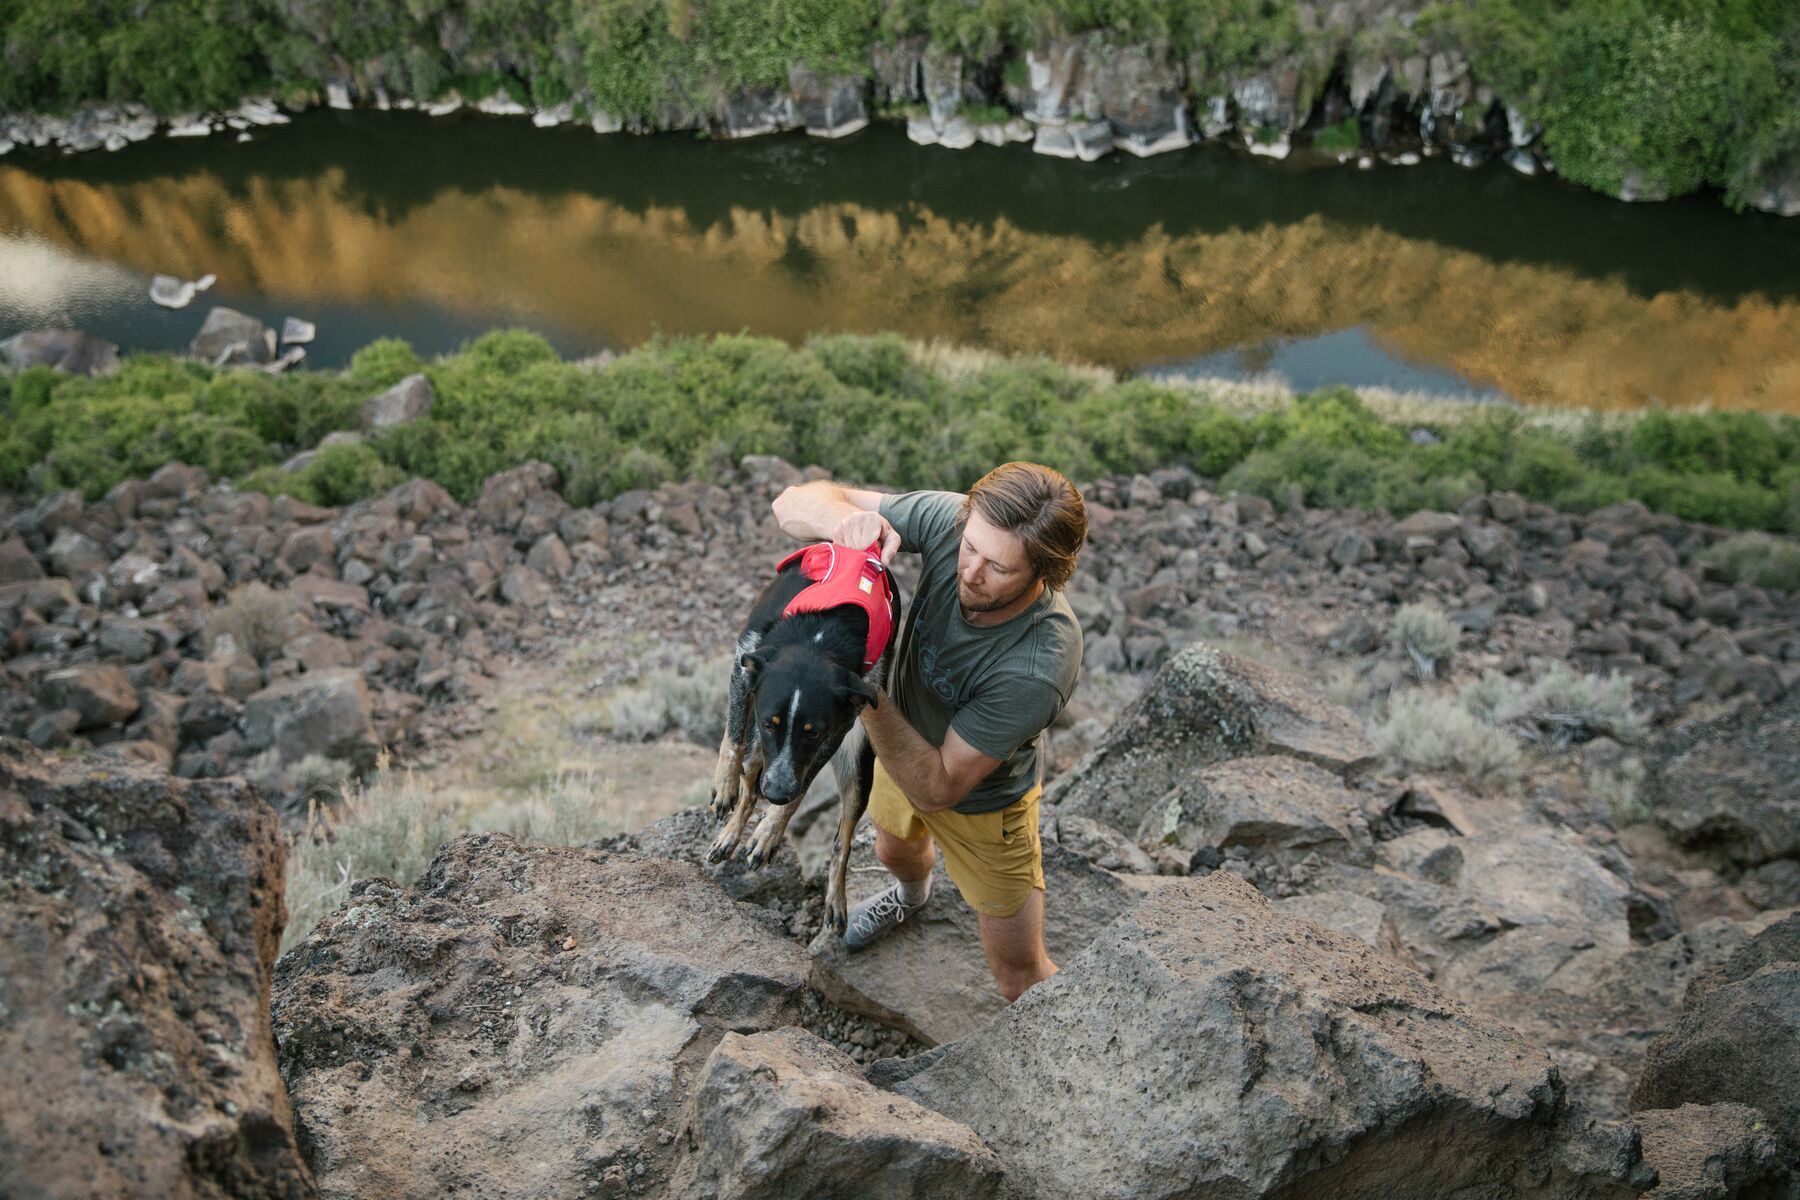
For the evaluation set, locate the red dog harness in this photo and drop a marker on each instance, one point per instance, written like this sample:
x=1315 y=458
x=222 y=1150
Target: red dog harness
x=842 y=576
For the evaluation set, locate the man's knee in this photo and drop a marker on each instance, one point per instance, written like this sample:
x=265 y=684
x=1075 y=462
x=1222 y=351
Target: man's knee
x=895 y=851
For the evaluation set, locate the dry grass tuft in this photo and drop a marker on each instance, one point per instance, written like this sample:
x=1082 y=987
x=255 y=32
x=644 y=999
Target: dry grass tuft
x=393 y=824
x=258 y=619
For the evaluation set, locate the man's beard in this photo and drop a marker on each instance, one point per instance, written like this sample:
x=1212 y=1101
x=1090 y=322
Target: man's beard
x=976 y=604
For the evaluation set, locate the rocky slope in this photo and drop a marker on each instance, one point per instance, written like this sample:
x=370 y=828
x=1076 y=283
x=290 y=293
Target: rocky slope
x=1375 y=980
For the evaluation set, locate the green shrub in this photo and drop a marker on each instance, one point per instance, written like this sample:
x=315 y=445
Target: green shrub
x=1343 y=138
x=875 y=409
x=1422 y=730
x=258 y=619
x=1558 y=707
x=1756 y=558
x=383 y=363
x=341 y=474
x=1425 y=635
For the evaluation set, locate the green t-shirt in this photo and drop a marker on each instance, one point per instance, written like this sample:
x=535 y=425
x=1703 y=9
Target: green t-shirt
x=999 y=686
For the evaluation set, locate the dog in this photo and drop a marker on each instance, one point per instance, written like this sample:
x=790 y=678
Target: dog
x=817 y=646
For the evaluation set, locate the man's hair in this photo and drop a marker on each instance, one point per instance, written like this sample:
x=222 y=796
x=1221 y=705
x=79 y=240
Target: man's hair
x=1039 y=507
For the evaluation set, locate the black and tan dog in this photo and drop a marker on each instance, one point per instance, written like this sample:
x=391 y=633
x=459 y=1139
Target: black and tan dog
x=798 y=680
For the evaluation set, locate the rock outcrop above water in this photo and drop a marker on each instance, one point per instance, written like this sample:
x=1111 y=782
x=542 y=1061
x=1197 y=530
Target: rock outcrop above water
x=139 y=917
x=1402 y=90
x=68 y=350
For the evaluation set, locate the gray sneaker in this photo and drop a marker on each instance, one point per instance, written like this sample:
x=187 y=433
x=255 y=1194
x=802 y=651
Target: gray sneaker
x=872 y=918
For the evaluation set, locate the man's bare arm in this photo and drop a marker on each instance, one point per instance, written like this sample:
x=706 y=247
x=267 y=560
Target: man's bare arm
x=827 y=511
x=933 y=778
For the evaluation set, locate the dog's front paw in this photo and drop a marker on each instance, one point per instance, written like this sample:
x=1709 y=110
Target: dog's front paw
x=722 y=846
x=761 y=849
x=837 y=915
x=720 y=801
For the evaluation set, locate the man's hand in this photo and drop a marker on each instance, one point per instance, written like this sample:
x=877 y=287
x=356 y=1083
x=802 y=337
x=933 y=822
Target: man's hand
x=860 y=529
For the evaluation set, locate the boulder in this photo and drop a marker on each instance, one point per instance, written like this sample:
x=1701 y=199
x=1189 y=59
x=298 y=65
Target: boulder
x=68 y=350
x=17 y=562
x=1204 y=706
x=753 y=112
x=829 y=106
x=1726 y=786
x=139 y=917
x=405 y=402
x=520 y=1022
x=686 y=836
x=228 y=337
x=1279 y=809
x=786 y=1115
x=327 y=714
x=506 y=496
x=929 y=977
x=1715 y=1152
x=1208 y=1045
x=1364 y=919
x=1139 y=92
x=1100 y=844
x=1087 y=141
x=76 y=556
x=100 y=694
x=523 y=587
x=41 y=596
x=1738 y=1042
x=1050 y=93
x=1778 y=941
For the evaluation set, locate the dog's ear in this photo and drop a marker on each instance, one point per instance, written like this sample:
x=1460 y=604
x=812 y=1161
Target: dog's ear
x=753 y=662
x=852 y=684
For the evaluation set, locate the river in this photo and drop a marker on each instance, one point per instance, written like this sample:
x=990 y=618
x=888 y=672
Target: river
x=1434 y=277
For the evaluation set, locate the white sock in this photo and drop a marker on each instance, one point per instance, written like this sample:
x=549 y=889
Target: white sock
x=914 y=892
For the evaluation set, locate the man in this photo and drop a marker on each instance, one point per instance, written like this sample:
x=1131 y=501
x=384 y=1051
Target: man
x=988 y=656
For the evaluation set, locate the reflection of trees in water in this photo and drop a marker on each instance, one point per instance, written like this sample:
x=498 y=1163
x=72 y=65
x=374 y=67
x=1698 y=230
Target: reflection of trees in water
x=1255 y=358
x=586 y=264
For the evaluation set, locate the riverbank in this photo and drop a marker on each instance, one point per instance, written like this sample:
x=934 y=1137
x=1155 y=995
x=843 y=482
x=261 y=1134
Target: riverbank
x=1702 y=102
x=872 y=407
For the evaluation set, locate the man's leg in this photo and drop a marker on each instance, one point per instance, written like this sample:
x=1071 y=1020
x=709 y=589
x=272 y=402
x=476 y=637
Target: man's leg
x=907 y=859
x=1015 y=947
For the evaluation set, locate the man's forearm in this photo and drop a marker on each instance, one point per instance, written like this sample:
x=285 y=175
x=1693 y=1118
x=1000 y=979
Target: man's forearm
x=915 y=764
x=812 y=511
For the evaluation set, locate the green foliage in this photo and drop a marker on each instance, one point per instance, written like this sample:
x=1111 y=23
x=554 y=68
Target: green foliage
x=341 y=474
x=1684 y=93
x=1342 y=138
x=1758 y=559
x=867 y=408
x=383 y=363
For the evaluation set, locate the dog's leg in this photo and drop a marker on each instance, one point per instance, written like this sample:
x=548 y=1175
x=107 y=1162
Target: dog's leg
x=726 y=773
x=852 y=801
x=730 y=767
x=733 y=832
x=769 y=832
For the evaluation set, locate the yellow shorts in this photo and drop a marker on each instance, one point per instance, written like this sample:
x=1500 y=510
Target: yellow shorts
x=994 y=858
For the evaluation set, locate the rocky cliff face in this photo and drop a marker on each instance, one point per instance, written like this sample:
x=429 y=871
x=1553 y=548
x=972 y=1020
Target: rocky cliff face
x=1406 y=92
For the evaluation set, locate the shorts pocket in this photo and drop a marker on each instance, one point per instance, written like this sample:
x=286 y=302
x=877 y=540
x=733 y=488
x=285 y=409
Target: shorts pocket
x=1012 y=822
